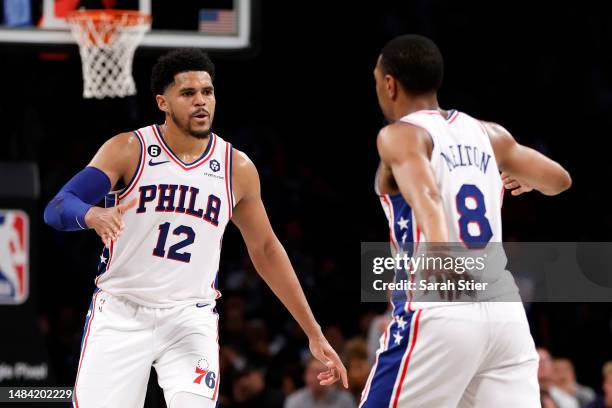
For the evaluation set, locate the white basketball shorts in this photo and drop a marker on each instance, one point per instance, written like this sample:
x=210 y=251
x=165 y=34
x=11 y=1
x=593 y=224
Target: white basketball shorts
x=476 y=355
x=122 y=340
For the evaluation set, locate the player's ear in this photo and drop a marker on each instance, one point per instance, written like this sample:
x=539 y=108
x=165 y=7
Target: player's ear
x=162 y=104
x=390 y=86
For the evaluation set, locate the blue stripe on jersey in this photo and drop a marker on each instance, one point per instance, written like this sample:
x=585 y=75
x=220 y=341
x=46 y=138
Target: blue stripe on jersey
x=389 y=363
x=102 y=264
x=403 y=233
x=231 y=192
x=110 y=200
x=88 y=316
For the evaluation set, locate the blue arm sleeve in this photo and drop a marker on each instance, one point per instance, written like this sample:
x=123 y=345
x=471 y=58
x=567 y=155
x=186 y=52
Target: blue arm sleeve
x=66 y=211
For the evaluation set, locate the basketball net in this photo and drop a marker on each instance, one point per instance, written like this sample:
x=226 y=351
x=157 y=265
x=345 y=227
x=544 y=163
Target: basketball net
x=107 y=41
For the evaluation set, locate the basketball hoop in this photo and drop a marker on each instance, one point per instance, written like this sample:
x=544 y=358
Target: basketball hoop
x=107 y=41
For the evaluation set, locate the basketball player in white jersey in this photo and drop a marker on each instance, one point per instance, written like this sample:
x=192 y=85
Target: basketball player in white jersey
x=156 y=290
x=439 y=181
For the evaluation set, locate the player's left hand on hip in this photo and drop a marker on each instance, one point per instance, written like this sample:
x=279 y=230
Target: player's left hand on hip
x=322 y=351
x=516 y=186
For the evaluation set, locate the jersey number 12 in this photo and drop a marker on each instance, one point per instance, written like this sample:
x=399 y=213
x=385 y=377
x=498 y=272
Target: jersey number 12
x=173 y=251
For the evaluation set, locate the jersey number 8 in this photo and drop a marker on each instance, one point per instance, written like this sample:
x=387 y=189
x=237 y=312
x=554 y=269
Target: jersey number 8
x=474 y=215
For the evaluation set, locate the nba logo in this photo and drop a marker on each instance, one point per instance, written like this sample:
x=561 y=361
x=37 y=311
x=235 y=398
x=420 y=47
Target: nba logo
x=14 y=237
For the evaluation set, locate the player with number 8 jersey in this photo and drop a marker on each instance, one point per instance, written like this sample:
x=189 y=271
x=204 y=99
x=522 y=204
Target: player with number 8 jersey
x=464 y=166
x=466 y=173
x=439 y=181
x=180 y=218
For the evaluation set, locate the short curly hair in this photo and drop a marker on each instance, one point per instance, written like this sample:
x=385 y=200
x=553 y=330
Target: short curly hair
x=175 y=62
x=415 y=61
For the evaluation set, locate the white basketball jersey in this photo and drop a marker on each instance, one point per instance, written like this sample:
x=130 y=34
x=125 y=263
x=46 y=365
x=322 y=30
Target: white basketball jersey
x=470 y=184
x=169 y=250
x=466 y=171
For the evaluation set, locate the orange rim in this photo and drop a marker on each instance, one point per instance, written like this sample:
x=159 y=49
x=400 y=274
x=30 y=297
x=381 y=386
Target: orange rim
x=109 y=16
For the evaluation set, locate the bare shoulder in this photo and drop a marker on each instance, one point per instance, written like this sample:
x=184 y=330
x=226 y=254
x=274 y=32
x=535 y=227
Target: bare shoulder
x=499 y=136
x=245 y=178
x=122 y=146
x=399 y=130
x=118 y=157
x=399 y=139
x=126 y=143
x=244 y=171
x=241 y=162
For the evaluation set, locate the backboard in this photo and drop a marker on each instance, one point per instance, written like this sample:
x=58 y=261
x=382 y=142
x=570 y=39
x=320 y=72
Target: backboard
x=210 y=24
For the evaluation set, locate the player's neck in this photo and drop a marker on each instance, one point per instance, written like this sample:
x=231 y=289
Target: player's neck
x=406 y=105
x=182 y=144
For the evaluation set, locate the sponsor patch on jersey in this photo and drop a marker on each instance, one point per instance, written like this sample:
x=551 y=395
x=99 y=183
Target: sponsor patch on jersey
x=214 y=176
x=214 y=165
x=14 y=273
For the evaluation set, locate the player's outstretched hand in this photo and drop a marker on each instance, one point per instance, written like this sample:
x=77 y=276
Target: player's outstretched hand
x=108 y=222
x=322 y=351
x=516 y=186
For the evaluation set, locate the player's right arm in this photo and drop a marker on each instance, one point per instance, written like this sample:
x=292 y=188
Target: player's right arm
x=73 y=208
x=524 y=167
x=404 y=149
x=273 y=265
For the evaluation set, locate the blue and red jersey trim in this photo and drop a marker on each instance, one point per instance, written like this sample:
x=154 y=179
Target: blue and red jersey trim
x=207 y=154
x=387 y=378
x=88 y=321
x=228 y=179
x=139 y=169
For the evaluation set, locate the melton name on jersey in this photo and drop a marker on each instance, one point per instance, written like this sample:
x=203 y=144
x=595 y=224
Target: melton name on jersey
x=467 y=176
x=169 y=251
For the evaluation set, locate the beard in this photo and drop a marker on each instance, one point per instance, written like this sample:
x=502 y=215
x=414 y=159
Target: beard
x=186 y=127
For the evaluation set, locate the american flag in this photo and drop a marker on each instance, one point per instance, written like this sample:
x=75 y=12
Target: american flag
x=217 y=21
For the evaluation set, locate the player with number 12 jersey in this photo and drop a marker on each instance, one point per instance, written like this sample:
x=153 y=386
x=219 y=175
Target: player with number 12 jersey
x=180 y=218
x=155 y=299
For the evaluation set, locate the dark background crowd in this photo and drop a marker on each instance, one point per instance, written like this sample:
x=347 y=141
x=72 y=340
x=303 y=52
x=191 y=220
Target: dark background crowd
x=301 y=104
